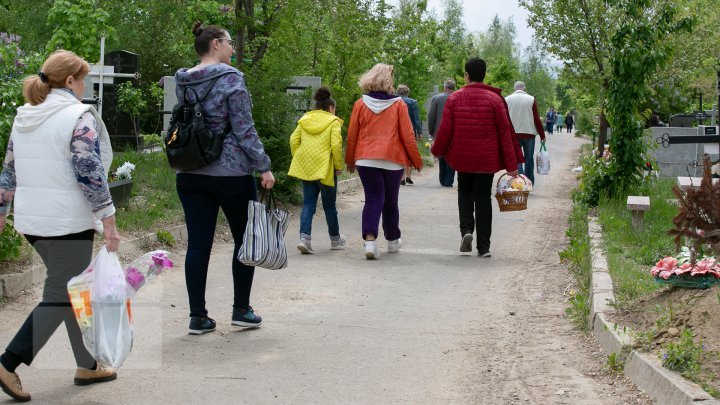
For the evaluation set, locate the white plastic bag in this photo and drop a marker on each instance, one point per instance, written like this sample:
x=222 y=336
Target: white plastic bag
x=542 y=160
x=100 y=298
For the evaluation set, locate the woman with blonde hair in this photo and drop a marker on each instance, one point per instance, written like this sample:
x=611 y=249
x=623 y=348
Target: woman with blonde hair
x=56 y=168
x=380 y=143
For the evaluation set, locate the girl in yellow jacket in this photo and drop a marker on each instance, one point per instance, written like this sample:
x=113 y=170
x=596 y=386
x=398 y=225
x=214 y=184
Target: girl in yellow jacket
x=316 y=147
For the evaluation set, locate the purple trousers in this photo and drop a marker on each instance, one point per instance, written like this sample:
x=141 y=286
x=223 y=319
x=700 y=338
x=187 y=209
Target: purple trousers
x=382 y=188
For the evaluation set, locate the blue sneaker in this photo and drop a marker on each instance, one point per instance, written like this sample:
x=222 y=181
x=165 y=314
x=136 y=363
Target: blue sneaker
x=199 y=325
x=246 y=318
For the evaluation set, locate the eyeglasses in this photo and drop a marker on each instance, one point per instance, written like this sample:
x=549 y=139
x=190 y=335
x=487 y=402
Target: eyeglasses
x=230 y=41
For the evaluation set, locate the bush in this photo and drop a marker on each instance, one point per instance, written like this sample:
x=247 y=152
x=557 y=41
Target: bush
x=585 y=124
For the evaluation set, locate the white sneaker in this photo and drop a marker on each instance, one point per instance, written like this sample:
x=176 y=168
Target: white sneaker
x=338 y=244
x=394 y=245
x=371 y=250
x=305 y=247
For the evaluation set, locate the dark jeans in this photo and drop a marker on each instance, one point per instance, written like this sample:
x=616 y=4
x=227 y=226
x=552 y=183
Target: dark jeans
x=528 y=148
x=549 y=127
x=447 y=174
x=569 y=128
x=202 y=197
x=475 y=207
x=382 y=188
x=311 y=190
x=64 y=257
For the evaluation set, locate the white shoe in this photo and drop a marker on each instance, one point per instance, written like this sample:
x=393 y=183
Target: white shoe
x=305 y=247
x=371 y=250
x=394 y=245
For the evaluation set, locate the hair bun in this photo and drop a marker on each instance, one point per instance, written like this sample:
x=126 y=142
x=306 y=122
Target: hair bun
x=197 y=28
x=322 y=93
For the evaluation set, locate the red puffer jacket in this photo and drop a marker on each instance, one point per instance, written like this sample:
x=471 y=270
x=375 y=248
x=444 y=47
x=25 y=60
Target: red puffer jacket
x=476 y=135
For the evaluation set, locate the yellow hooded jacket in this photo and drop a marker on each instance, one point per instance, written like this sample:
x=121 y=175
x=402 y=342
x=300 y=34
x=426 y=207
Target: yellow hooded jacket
x=316 y=147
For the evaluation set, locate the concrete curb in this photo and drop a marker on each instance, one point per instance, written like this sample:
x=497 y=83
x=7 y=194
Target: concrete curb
x=12 y=285
x=348 y=185
x=644 y=370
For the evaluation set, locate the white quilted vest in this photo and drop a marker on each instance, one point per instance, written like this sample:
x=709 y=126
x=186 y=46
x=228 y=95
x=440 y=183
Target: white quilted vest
x=48 y=198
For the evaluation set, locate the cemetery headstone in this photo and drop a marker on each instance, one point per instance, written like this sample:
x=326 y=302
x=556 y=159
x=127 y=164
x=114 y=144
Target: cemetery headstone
x=119 y=124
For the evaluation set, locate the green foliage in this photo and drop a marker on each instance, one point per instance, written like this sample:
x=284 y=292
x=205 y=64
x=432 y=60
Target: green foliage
x=615 y=364
x=585 y=124
x=594 y=179
x=138 y=101
x=639 y=49
x=79 y=24
x=10 y=242
x=684 y=356
x=163 y=236
x=577 y=256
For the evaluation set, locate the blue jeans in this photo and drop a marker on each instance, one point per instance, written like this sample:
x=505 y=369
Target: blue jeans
x=447 y=174
x=311 y=190
x=528 y=148
x=202 y=197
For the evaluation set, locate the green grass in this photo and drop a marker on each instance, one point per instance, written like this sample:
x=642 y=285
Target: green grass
x=577 y=256
x=631 y=254
x=154 y=202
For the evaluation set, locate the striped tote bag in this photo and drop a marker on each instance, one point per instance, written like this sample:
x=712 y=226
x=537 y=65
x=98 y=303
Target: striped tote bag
x=264 y=238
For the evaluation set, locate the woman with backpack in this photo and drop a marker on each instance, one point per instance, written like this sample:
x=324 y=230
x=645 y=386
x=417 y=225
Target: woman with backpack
x=227 y=183
x=316 y=147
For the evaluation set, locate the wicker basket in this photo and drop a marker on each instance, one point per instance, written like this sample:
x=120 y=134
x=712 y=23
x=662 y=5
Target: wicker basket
x=512 y=200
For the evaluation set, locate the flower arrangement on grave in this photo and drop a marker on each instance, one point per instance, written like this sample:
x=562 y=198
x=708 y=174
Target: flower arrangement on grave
x=124 y=172
x=696 y=225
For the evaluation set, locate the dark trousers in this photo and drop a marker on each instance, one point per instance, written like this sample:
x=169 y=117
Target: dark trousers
x=447 y=174
x=64 y=257
x=202 y=197
x=382 y=189
x=475 y=207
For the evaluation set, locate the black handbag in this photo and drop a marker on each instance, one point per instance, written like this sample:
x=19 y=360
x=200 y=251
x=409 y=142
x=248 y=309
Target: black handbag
x=189 y=143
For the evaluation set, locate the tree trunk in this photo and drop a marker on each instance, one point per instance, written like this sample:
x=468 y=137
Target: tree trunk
x=602 y=134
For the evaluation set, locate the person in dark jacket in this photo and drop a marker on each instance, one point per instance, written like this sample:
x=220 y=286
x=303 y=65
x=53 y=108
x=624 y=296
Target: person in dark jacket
x=569 y=122
x=477 y=139
x=437 y=104
x=414 y=111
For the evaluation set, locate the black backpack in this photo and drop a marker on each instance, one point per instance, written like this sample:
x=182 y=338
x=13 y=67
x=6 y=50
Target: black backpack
x=189 y=144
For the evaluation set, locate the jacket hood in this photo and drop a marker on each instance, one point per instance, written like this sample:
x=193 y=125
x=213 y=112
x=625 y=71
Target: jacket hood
x=317 y=121
x=378 y=106
x=29 y=117
x=187 y=77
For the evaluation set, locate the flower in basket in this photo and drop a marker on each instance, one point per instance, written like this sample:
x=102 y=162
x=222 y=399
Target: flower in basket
x=147 y=267
x=124 y=171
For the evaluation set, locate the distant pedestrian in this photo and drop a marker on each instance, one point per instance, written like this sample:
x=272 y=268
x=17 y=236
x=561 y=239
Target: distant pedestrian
x=380 y=144
x=526 y=121
x=569 y=122
x=477 y=139
x=437 y=104
x=550 y=120
x=559 y=122
x=228 y=182
x=56 y=168
x=316 y=147
x=414 y=110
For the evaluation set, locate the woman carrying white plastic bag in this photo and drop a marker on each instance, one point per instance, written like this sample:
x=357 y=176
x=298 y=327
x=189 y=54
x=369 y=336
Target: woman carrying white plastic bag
x=60 y=200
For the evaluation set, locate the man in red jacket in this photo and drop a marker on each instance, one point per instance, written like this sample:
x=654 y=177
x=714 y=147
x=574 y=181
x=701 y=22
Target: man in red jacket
x=477 y=139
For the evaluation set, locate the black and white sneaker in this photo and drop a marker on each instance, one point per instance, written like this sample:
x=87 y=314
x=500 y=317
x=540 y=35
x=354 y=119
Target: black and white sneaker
x=484 y=254
x=246 y=318
x=199 y=325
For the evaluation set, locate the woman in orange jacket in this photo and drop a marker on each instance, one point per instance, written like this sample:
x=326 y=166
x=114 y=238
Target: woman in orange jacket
x=380 y=143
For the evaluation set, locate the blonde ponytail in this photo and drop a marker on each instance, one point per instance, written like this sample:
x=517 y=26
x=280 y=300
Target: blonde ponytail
x=53 y=75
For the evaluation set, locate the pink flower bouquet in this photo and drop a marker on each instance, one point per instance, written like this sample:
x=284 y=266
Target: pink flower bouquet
x=145 y=268
x=680 y=272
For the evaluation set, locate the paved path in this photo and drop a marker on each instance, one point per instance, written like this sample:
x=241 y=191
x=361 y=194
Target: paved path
x=426 y=325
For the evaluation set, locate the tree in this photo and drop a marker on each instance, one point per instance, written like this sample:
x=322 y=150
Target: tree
x=498 y=48
x=536 y=74
x=582 y=41
x=78 y=27
x=254 y=27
